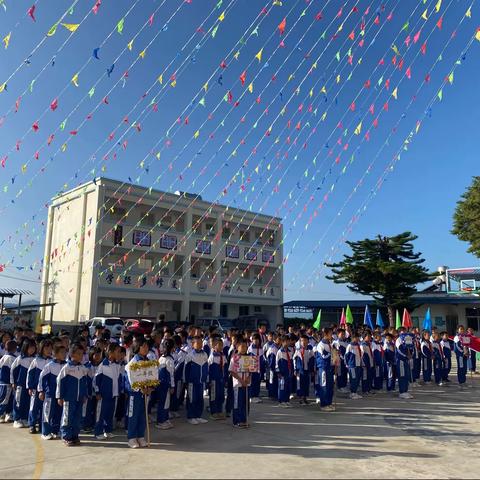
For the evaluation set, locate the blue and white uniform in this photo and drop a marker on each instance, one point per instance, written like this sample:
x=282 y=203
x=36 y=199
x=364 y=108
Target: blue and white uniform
x=136 y=422
x=462 y=352
x=342 y=373
x=272 y=377
x=256 y=376
x=353 y=360
x=368 y=367
x=6 y=397
x=196 y=376
x=52 y=411
x=284 y=369
x=389 y=369
x=18 y=378
x=427 y=354
x=166 y=375
x=36 y=405
x=323 y=360
x=438 y=361
x=447 y=354
x=216 y=376
x=72 y=389
x=403 y=353
x=106 y=384
x=304 y=360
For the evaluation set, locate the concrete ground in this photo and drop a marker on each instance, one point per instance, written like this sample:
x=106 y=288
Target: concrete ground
x=435 y=435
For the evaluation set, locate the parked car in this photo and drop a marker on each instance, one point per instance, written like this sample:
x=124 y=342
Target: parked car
x=222 y=324
x=142 y=326
x=252 y=322
x=113 y=324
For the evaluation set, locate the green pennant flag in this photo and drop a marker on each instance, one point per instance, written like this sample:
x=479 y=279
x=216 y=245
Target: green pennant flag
x=398 y=320
x=316 y=324
x=348 y=315
x=120 y=25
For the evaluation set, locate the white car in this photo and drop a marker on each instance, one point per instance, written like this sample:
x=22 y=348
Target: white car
x=113 y=324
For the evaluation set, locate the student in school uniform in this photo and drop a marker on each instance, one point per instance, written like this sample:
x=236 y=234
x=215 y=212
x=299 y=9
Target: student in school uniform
x=268 y=343
x=18 y=379
x=179 y=355
x=389 y=370
x=255 y=349
x=216 y=376
x=472 y=359
x=304 y=360
x=427 y=357
x=284 y=369
x=447 y=355
x=71 y=394
x=234 y=339
x=271 y=358
x=6 y=392
x=166 y=375
x=378 y=361
x=33 y=375
x=240 y=381
x=462 y=353
x=323 y=361
x=196 y=376
x=353 y=360
x=438 y=359
x=403 y=355
x=136 y=422
x=340 y=343
x=95 y=357
x=106 y=386
x=47 y=387
x=367 y=363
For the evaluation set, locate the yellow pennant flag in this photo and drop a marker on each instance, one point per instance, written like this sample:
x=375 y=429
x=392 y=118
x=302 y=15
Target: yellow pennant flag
x=477 y=35
x=222 y=17
x=424 y=14
x=324 y=116
x=311 y=93
x=250 y=88
x=358 y=130
x=395 y=93
x=160 y=79
x=438 y=6
x=142 y=54
x=3 y=86
x=75 y=80
x=174 y=84
x=205 y=87
x=24 y=168
x=72 y=27
x=338 y=78
x=450 y=78
x=468 y=13
x=258 y=56
x=323 y=90
x=417 y=128
x=130 y=45
x=237 y=54
x=6 y=40
x=196 y=134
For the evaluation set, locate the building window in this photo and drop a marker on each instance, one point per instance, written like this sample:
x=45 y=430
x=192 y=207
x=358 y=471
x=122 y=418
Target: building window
x=232 y=251
x=147 y=219
x=473 y=318
x=210 y=229
x=243 y=310
x=224 y=310
x=204 y=247
x=142 y=239
x=168 y=242
x=143 y=307
x=208 y=307
x=118 y=235
x=112 y=307
x=251 y=254
x=257 y=309
x=268 y=257
x=145 y=263
x=226 y=233
x=244 y=235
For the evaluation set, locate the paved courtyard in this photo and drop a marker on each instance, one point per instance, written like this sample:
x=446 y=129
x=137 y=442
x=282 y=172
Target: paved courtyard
x=435 y=435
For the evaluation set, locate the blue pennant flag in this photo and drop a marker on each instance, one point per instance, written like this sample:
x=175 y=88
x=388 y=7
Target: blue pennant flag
x=367 y=318
x=427 y=322
x=379 y=319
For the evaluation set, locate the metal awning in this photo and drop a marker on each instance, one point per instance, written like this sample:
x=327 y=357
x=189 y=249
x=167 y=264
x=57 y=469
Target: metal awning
x=11 y=292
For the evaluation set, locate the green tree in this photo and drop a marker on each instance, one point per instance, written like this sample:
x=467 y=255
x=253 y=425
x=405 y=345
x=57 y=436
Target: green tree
x=386 y=268
x=466 y=219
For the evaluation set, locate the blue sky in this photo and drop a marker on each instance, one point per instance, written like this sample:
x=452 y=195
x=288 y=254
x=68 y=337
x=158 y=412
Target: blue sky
x=419 y=195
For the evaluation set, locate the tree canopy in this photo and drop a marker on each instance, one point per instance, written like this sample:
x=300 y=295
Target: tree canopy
x=386 y=268
x=466 y=219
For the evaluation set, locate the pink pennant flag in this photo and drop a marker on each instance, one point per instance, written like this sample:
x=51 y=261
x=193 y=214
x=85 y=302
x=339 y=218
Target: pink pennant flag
x=390 y=16
x=150 y=20
x=54 y=105
x=4 y=161
x=31 y=12
x=416 y=37
x=408 y=73
x=372 y=109
x=423 y=48
x=96 y=6
x=35 y=126
x=343 y=318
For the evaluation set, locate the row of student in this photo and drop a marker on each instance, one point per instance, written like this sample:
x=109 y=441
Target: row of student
x=286 y=364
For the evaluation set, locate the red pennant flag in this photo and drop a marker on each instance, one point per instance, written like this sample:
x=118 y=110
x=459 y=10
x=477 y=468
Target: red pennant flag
x=408 y=73
x=385 y=106
x=54 y=105
x=223 y=64
x=440 y=23
x=318 y=16
x=35 y=126
x=372 y=109
x=352 y=106
x=243 y=77
x=367 y=84
x=406 y=320
x=377 y=20
x=375 y=123
x=352 y=35
x=282 y=25
x=96 y=6
x=423 y=48
x=31 y=12
x=339 y=14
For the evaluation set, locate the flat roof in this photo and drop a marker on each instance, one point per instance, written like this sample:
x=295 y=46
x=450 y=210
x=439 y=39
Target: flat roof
x=153 y=192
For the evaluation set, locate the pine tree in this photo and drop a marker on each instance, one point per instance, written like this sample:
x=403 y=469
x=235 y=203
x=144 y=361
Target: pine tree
x=466 y=219
x=386 y=268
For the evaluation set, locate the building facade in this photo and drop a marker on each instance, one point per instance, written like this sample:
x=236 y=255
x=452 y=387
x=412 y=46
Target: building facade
x=115 y=249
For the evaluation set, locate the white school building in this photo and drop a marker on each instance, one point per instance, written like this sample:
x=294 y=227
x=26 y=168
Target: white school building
x=116 y=249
